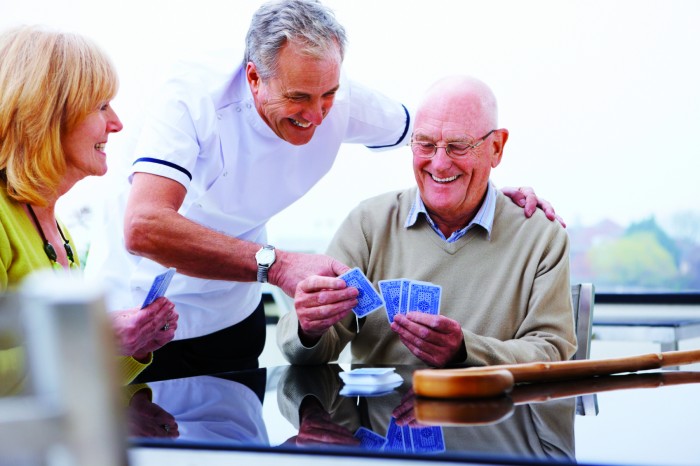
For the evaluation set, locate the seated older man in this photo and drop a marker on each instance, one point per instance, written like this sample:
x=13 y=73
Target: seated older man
x=504 y=278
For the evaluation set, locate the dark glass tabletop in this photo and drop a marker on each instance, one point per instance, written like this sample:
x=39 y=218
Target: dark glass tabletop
x=641 y=419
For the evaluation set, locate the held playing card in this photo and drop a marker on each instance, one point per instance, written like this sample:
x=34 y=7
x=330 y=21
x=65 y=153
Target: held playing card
x=391 y=292
x=160 y=284
x=424 y=297
x=368 y=300
x=403 y=303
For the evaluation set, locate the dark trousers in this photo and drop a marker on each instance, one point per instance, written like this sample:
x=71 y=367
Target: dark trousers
x=234 y=348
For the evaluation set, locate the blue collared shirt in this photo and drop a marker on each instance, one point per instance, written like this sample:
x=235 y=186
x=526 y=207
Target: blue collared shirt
x=483 y=218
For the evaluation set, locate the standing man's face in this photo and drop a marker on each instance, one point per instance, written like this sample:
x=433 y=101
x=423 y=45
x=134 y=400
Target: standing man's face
x=295 y=101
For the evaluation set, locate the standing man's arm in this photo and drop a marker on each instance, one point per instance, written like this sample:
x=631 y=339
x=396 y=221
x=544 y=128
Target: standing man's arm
x=154 y=229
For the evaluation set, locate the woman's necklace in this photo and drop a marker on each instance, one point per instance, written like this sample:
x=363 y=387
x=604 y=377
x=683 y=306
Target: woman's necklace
x=48 y=247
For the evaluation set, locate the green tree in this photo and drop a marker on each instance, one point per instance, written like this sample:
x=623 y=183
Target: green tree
x=636 y=260
x=649 y=225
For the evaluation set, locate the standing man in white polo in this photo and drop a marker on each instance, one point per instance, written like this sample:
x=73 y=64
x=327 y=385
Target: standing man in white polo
x=226 y=148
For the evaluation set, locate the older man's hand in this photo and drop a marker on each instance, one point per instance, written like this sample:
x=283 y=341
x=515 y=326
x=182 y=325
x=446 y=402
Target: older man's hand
x=434 y=339
x=320 y=302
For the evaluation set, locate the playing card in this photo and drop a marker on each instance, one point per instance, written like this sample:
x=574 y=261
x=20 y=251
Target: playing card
x=427 y=439
x=424 y=297
x=370 y=439
x=403 y=303
x=391 y=293
x=394 y=437
x=407 y=440
x=159 y=286
x=368 y=300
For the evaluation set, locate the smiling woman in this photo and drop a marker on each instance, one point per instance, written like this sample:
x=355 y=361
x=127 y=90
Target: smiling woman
x=55 y=120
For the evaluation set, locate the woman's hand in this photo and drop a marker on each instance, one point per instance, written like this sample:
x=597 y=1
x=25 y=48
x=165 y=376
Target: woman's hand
x=142 y=331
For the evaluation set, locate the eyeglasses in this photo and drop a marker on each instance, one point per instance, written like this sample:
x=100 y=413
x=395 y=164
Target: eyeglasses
x=456 y=150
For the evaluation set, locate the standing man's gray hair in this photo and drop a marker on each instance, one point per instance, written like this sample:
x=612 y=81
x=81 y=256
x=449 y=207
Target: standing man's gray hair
x=304 y=22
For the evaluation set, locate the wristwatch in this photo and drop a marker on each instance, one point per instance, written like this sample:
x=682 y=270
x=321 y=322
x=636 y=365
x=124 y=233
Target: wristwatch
x=265 y=257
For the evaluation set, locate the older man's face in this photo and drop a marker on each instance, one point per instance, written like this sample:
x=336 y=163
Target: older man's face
x=452 y=188
x=295 y=101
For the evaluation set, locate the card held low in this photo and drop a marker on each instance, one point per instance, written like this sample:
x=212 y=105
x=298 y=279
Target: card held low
x=159 y=286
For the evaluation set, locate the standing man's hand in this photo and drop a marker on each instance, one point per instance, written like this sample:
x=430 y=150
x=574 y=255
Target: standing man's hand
x=526 y=198
x=320 y=302
x=434 y=339
x=290 y=268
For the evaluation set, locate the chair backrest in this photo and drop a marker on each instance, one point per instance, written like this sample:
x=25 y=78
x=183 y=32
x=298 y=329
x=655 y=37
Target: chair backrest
x=583 y=297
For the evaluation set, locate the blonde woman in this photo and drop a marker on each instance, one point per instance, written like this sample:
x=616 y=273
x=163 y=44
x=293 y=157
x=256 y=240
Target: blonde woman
x=55 y=121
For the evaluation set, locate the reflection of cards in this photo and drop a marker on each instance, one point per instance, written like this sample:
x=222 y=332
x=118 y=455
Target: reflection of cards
x=160 y=284
x=414 y=439
x=370 y=439
x=368 y=300
x=394 y=437
x=391 y=292
x=424 y=297
x=427 y=439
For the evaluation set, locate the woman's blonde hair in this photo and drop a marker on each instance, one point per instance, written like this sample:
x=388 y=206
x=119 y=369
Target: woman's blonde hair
x=49 y=82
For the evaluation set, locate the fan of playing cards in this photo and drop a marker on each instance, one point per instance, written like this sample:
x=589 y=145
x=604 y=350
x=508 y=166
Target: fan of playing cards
x=399 y=296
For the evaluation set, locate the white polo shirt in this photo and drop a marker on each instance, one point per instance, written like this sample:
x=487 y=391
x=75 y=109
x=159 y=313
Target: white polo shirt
x=205 y=133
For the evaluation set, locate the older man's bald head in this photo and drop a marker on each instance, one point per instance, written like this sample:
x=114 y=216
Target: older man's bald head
x=465 y=96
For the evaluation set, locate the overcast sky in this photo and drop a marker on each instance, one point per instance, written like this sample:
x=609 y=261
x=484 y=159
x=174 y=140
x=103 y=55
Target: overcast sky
x=601 y=98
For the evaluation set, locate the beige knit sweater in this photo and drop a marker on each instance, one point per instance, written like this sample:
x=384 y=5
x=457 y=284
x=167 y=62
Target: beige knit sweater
x=509 y=292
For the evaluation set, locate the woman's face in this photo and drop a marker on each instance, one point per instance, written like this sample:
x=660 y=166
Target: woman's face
x=84 y=145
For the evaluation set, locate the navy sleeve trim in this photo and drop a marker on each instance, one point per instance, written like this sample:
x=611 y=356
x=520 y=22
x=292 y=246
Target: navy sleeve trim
x=405 y=130
x=166 y=163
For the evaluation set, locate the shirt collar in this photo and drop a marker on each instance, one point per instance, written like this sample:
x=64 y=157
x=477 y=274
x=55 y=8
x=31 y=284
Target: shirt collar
x=483 y=218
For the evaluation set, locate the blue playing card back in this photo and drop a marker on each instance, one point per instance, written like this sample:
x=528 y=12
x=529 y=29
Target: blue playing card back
x=370 y=439
x=403 y=304
x=368 y=300
x=394 y=437
x=159 y=286
x=424 y=297
x=391 y=292
x=428 y=439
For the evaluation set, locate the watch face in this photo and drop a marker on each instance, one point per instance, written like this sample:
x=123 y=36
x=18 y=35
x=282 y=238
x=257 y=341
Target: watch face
x=265 y=256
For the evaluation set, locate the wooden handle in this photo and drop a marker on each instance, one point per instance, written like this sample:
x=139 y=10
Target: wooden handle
x=539 y=392
x=476 y=382
x=455 y=412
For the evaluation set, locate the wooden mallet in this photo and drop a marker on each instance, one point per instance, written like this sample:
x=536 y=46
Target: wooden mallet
x=481 y=411
x=492 y=381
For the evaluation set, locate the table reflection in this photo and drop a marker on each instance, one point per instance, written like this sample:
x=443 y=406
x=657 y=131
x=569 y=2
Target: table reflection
x=211 y=409
x=309 y=398
x=301 y=408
